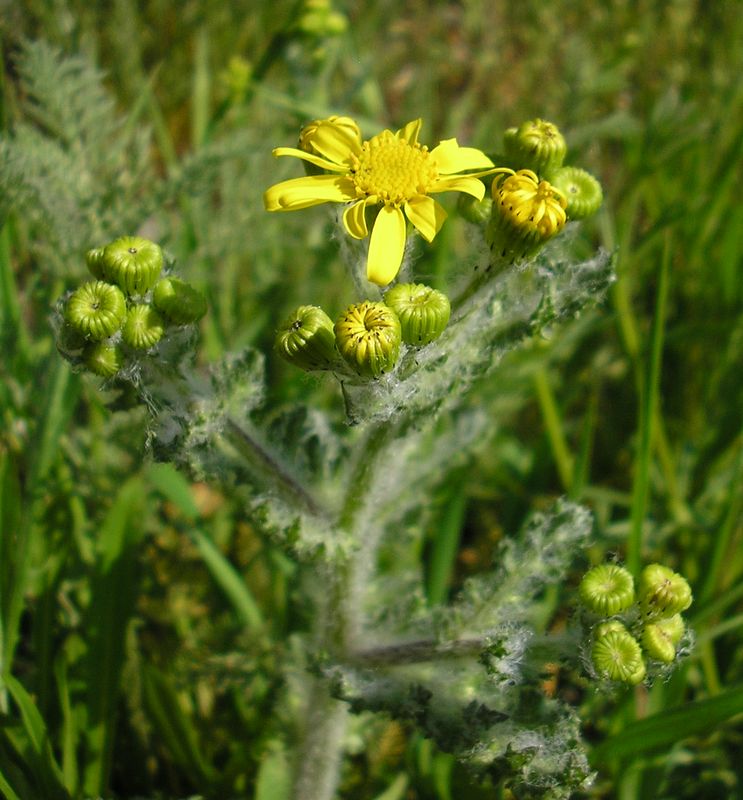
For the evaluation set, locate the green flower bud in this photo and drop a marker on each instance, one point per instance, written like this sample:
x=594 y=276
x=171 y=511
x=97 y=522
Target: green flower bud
x=638 y=676
x=657 y=643
x=178 y=301
x=96 y=310
x=663 y=592
x=306 y=339
x=143 y=328
x=103 y=359
x=132 y=263
x=94 y=261
x=526 y=213
x=581 y=190
x=368 y=337
x=473 y=210
x=616 y=655
x=423 y=312
x=536 y=145
x=673 y=627
x=607 y=589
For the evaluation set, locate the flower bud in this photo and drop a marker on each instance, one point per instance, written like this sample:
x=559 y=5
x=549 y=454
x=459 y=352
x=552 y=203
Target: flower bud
x=103 y=358
x=94 y=261
x=423 y=312
x=526 y=213
x=178 y=301
x=536 y=145
x=368 y=337
x=473 y=210
x=96 y=310
x=143 y=328
x=657 y=643
x=582 y=191
x=306 y=339
x=607 y=589
x=132 y=263
x=663 y=592
x=617 y=655
x=673 y=627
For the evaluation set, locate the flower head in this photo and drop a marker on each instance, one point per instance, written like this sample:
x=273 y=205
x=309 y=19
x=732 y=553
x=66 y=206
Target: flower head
x=391 y=170
x=535 y=207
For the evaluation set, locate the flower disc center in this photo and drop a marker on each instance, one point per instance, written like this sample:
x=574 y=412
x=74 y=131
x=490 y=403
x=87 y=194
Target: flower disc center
x=392 y=169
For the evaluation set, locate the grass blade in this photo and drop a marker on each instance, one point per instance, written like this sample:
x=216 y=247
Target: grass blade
x=668 y=727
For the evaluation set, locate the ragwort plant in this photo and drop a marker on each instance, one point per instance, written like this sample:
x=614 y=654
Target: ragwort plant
x=406 y=359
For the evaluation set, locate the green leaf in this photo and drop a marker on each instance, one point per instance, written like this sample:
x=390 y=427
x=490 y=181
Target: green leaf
x=664 y=729
x=39 y=756
x=176 y=728
x=274 y=775
x=166 y=479
x=113 y=595
x=229 y=581
x=396 y=790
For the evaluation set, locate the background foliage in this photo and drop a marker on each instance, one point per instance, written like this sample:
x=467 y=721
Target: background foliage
x=115 y=572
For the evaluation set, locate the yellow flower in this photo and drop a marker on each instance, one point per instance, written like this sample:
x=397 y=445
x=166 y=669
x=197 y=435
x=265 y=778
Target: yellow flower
x=390 y=169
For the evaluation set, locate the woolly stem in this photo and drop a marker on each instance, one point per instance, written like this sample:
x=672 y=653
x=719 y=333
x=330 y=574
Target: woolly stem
x=319 y=756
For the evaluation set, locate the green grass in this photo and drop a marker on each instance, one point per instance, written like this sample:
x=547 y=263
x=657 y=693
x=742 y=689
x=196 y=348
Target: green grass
x=142 y=618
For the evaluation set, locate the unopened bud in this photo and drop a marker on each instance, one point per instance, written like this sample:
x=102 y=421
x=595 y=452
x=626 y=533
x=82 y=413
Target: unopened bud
x=423 y=312
x=582 y=191
x=306 y=339
x=368 y=337
x=132 y=263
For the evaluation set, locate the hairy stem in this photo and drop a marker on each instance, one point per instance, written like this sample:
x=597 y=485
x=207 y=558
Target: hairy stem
x=262 y=461
x=316 y=771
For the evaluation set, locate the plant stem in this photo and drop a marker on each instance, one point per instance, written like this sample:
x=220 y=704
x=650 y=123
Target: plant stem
x=319 y=757
x=261 y=461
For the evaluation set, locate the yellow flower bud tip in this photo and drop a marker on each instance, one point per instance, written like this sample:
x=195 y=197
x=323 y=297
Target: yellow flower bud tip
x=103 y=358
x=536 y=145
x=132 y=263
x=530 y=205
x=582 y=191
x=178 y=301
x=96 y=310
x=307 y=340
x=663 y=592
x=616 y=655
x=607 y=589
x=526 y=213
x=368 y=338
x=94 y=262
x=423 y=312
x=657 y=643
x=143 y=328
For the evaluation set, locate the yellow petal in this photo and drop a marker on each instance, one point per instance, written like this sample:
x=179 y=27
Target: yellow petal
x=450 y=158
x=336 y=142
x=410 y=132
x=426 y=214
x=318 y=161
x=386 y=246
x=460 y=183
x=354 y=220
x=311 y=191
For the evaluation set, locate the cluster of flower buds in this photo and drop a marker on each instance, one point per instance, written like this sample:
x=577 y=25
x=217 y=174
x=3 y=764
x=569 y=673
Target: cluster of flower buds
x=366 y=338
x=127 y=309
x=639 y=628
x=528 y=208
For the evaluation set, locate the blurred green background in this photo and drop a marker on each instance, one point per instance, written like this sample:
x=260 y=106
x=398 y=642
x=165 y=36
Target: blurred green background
x=118 y=572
